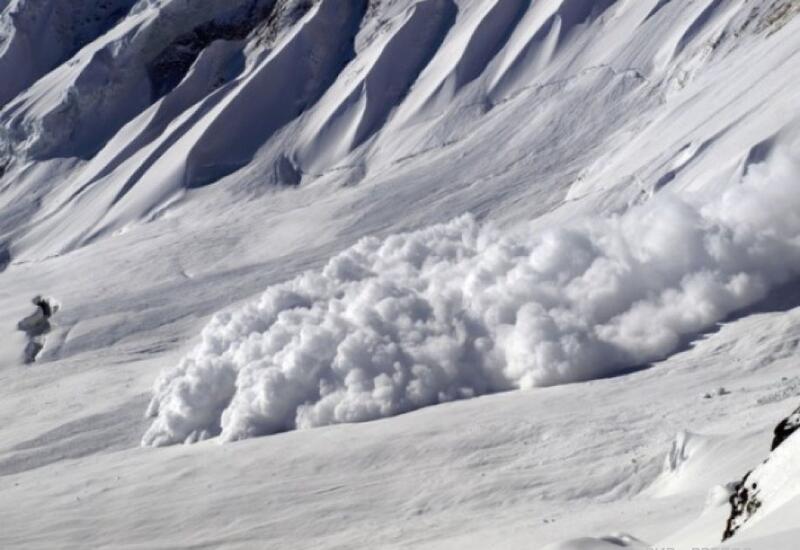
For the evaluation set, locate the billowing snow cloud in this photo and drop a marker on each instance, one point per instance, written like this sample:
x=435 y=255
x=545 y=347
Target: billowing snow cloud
x=457 y=310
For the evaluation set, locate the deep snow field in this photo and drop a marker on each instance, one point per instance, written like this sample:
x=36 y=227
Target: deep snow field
x=399 y=274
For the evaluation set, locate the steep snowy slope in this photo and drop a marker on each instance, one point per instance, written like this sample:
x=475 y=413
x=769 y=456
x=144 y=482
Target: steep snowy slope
x=392 y=204
x=495 y=67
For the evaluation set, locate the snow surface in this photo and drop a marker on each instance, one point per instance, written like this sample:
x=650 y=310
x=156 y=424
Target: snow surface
x=443 y=199
x=772 y=484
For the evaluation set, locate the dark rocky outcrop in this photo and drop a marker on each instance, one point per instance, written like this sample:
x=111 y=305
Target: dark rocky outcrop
x=746 y=499
x=785 y=428
x=168 y=69
x=744 y=503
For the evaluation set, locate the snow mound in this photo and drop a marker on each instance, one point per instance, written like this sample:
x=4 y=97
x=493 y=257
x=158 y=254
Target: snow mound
x=458 y=310
x=696 y=463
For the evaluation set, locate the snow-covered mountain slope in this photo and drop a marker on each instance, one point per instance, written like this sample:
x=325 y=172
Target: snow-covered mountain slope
x=348 y=110
x=551 y=191
x=771 y=485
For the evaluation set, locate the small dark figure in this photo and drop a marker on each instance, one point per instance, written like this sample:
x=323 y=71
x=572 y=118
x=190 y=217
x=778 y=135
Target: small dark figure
x=36 y=325
x=44 y=305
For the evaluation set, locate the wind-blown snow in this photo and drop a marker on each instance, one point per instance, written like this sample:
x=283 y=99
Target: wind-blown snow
x=457 y=310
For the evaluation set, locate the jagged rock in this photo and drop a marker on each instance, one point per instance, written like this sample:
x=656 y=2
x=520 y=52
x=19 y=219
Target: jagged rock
x=762 y=486
x=785 y=428
x=744 y=503
x=172 y=64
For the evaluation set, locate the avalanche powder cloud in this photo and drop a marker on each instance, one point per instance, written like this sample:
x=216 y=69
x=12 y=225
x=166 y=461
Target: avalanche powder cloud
x=457 y=310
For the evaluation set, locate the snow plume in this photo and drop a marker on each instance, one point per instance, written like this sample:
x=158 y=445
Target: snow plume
x=457 y=310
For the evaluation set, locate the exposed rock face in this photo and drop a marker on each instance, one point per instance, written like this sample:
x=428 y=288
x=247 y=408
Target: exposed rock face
x=172 y=64
x=785 y=428
x=744 y=503
x=765 y=486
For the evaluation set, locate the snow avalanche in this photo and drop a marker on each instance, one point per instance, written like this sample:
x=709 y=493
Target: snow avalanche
x=458 y=310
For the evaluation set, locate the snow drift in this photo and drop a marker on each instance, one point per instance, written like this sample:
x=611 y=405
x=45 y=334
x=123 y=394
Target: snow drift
x=458 y=310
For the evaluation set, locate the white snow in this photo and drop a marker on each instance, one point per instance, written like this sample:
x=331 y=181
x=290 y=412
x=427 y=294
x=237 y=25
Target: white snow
x=455 y=311
x=443 y=199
